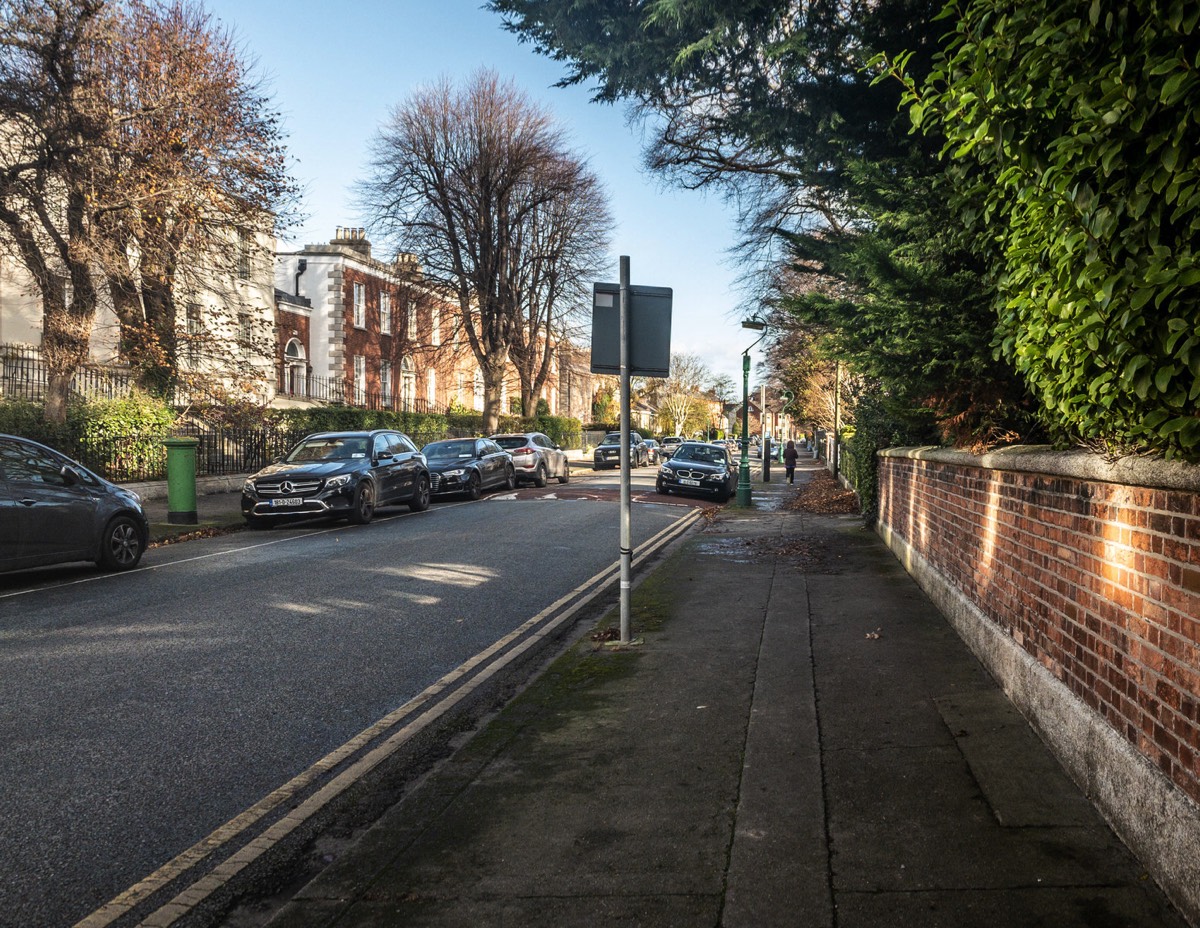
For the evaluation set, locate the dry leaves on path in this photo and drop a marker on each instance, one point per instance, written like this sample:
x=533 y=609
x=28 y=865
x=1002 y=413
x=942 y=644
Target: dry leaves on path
x=824 y=495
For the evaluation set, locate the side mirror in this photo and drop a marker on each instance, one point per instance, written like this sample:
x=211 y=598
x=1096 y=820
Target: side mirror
x=70 y=475
x=384 y=456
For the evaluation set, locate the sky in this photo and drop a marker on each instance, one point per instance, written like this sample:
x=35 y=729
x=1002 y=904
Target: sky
x=335 y=70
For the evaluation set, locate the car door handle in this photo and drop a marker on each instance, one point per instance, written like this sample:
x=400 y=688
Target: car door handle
x=27 y=502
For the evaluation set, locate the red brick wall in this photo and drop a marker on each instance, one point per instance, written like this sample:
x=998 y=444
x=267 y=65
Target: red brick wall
x=1098 y=581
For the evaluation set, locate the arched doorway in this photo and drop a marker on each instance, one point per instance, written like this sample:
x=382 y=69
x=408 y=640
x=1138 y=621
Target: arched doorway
x=295 y=369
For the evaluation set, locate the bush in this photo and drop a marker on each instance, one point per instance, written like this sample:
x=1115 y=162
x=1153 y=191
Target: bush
x=126 y=434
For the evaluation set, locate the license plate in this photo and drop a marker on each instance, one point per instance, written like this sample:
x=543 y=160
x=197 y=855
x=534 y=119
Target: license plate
x=688 y=482
x=287 y=501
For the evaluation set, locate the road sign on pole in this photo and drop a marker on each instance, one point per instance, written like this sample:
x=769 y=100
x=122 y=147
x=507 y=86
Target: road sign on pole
x=631 y=336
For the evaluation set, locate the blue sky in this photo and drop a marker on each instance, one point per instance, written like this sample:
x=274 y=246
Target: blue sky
x=336 y=69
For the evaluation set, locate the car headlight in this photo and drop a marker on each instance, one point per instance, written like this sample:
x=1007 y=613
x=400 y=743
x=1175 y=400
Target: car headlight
x=339 y=481
x=664 y=471
x=248 y=488
x=457 y=472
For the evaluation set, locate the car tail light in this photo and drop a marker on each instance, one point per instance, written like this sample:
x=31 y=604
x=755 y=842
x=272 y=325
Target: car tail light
x=523 y=451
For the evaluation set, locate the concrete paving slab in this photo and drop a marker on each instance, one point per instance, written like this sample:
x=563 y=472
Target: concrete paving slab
x=758 y=761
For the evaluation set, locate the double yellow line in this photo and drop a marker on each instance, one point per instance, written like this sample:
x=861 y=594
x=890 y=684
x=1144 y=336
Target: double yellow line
x=424 y=708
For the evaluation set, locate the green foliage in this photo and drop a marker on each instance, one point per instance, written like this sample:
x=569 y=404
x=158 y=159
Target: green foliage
x=1074 y=135
x=420 y=427
x=127 y=432
x=880 y=423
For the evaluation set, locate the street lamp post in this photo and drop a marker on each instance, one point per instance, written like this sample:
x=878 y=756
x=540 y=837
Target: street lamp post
x=743 y=487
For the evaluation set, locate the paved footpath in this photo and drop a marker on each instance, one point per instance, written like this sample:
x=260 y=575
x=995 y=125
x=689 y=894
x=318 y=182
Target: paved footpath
x=800 y=741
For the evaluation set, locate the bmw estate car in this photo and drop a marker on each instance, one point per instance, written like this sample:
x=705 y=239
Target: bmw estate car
x=344 y=475
x=698 y=468
x=53 y=510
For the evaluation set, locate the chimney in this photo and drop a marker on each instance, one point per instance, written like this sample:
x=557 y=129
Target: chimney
x=353 y=238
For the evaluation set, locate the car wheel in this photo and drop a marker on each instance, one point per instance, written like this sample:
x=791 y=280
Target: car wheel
x=510 y=479
x=659 y=488
x=474 y=489
x=565 y=476
x=539 y=478
x=122 y=545
x=364 y=505
x=421 y=495
x=255 y=522
x=723 y=496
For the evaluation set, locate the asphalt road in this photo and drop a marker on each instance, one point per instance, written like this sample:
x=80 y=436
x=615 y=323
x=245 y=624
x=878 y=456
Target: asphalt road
x=138 y=712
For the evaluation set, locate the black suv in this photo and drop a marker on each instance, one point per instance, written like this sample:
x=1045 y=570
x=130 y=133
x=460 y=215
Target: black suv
x=608 y=452
x=339 y=474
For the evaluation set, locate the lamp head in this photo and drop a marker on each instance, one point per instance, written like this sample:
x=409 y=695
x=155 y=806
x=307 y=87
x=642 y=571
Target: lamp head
x=756 y=324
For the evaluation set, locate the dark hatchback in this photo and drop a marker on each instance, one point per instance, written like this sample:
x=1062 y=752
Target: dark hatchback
x=53 y=510
x=340 y=475
x=699 y=468
x=469 y=466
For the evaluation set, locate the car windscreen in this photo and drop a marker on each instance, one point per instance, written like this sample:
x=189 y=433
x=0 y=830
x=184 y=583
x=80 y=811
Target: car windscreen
x=612 y=438
x=700 y=453
x=449 y=450
x=509 y=442
x=327 y=449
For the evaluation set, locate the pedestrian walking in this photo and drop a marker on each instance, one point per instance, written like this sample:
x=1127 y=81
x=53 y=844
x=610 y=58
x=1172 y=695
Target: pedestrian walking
x=789 y=461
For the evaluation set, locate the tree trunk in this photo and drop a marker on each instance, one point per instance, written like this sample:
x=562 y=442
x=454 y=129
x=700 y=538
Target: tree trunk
x=493 y=390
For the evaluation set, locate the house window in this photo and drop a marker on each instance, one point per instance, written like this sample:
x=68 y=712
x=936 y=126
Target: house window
x=360 y=306
x=194 y=329
x=243 y=255
x=412 y=320
x=435 y=322
x=431 y=388
x=385 y=381
x=478 y=389
x=360 y=379
x=245 y=334
x=460 y=386
x=408 y=384
x=385 y=313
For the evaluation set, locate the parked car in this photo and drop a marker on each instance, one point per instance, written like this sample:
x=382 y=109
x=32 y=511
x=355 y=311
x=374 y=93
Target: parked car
x=535 y=457
x=653 y=451
x=53 y=510
x=699 y=468
x=345 y=475
x=670 y=444
x=608 y=452
x=469 y=466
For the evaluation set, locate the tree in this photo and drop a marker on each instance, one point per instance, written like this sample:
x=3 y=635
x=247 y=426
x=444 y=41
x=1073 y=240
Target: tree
x=770 y=101
x=52 y=167
x=559 y=251
x=200 y=179
x=133 y=143
x=1080 y=173
x=460 y=177
x=679 y=397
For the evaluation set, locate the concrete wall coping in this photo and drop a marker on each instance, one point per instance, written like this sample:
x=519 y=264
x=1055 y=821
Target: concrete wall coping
x=1136 y=471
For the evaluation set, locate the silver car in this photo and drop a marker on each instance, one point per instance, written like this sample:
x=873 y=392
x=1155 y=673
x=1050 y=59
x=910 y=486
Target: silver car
x=535 y=457
x=53 y=510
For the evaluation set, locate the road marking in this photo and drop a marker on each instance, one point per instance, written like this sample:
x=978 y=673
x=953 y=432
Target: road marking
x=452 y=689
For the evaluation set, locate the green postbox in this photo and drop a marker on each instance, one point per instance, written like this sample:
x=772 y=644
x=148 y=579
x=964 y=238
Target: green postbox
x=181 y=480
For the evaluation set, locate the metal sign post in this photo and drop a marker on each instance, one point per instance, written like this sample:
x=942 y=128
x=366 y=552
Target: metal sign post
x=637 y=341
x=626 y=481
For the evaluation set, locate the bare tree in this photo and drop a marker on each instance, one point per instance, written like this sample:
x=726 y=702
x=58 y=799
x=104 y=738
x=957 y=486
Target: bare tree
x=53 y=128
x=680 y=397
x=131 y=140
x=458 y=176
x=201 y=179
x=558 y=254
